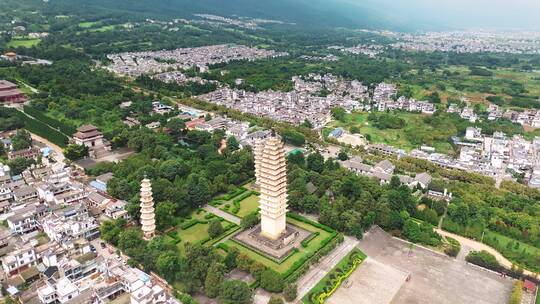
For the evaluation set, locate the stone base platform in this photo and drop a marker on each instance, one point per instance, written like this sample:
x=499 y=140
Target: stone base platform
x=279 y=248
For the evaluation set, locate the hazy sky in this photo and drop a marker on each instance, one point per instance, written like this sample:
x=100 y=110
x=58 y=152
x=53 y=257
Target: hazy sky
x=521 y=14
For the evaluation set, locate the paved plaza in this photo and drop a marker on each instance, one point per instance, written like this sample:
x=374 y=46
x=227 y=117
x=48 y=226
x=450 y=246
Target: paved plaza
x=435 y=278
x=376 y=282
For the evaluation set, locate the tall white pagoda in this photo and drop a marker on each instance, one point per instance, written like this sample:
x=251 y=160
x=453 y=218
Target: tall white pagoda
x=257 y=151
x=272 y=179
x=148 y=221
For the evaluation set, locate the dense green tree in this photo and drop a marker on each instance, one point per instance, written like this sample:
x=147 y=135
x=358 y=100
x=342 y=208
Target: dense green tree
x=256 y=270
x=198 y=260
x=21 y=140
x=176 y=127
x=173 y=168
x=230 y=258
x=18 y=165
x=75 y=152
x=232 y=143
x=343 y=156
x=271 y=281
x=165 y=215
x=243 y=262
x=198 y=190
x=215 y=228
x=339 y=114
x=293 y=137
x=235 y=292
x=290 y=292
x=214 y=280
x=296 y=158
x=249 y=221
x=315 y=162
x=169 y=265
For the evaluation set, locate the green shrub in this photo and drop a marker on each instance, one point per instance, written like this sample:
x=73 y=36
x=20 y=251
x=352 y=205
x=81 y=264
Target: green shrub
x=189 y=224
x=484 y=259
x=515 y=297
x=305 y=242
x=310 y=222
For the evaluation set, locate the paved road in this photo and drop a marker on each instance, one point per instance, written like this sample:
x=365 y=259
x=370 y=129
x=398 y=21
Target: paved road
x=229 y=217
x=58 y=155
x=317 y=272
x=468 y=244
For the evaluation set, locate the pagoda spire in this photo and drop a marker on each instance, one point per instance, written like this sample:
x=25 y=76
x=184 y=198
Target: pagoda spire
x=148 y=221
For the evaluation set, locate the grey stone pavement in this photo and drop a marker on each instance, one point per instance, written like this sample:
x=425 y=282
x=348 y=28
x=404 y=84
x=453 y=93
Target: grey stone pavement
x=229 y=217
x=434 y=278
x=377 y=283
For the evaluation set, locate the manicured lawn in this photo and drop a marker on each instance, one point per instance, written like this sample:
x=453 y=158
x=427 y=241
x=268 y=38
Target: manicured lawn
x=195 y=233
x=313 y=246
x=27 y=43
x=248 y=205
x=339 y=268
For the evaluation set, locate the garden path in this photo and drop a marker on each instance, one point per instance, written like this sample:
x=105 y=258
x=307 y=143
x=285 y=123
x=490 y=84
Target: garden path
x=229 y=217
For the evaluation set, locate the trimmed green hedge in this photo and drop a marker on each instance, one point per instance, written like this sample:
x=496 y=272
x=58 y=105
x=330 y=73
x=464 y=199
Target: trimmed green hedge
x=227 y=231
x=233 y=194
x=335 y=278
x=192 y=223
x=310 y=222
x=62 y=126
x=301 y=266
x=305 y=242
x=39 y=128
x=237 y=200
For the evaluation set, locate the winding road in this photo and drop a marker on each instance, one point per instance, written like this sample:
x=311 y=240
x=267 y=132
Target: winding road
x=472 y=245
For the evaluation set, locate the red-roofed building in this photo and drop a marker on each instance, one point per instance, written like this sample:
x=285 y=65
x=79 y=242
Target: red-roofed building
x=529 y=286
x=191 y=125
x=9 y=93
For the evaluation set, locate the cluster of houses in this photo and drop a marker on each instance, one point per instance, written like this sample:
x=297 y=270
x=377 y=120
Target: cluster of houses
x=528 y=117
x=383 y=171
x=243 y=22
x=481 y=41
x=134 y=64
x=312 y=98
x=371 y=50
x=384 y=98
x=467 y=112
x=180 y=78
x=49 y=246
x=497 y=156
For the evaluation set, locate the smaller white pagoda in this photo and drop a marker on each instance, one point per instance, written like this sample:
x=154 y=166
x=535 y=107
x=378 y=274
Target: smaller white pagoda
x=148 y=218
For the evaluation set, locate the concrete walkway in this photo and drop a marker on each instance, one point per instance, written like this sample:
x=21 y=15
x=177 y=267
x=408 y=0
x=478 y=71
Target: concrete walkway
x=229 y=217
x=317 y=272
x=468 y=244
